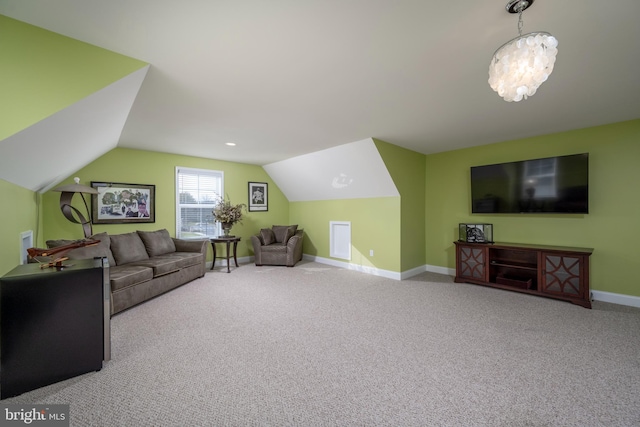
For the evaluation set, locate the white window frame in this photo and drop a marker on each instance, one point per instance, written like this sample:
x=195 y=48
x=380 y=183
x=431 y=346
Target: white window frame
x=208 y=229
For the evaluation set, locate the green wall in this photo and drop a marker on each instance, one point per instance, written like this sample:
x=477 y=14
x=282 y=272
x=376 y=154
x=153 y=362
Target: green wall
x=19 y=214
x=44 y=72
x=146 y=167
x=393 y=227
x=407 y=169
x=611 y=227
x=375 y=224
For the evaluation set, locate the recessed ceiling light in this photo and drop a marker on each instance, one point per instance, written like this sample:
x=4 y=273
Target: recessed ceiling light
x=230 y=144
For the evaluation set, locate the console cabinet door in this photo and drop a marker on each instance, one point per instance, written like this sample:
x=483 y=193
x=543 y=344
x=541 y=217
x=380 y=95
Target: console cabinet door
x=472 y=263
x=564 y=275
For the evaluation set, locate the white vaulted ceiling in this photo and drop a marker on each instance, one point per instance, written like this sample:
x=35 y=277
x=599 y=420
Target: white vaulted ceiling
x=286 y=78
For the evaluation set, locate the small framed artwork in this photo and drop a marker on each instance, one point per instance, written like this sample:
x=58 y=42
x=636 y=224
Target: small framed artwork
x=118 y=203
x=475 y=233
x=258 y=200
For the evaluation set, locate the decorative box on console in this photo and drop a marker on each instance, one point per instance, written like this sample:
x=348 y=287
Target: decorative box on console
x=476 y=233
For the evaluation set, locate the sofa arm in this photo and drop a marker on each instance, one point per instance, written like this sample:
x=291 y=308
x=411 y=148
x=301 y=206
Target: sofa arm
x=257 y=249
x=183 y=245
x=294 y=248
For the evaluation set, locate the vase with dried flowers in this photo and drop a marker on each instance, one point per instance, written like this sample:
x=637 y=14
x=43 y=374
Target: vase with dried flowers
x=227 y=214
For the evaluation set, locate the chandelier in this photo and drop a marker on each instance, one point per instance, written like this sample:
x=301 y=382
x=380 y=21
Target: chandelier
x=522 y=64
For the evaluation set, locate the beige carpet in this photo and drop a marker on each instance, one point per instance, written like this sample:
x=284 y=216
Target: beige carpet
x=321 y=346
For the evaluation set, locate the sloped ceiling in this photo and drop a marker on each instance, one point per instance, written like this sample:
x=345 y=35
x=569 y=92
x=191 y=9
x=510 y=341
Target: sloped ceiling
x=286 y=78
x=64 y=103
x=44 y=154
x=350 y=171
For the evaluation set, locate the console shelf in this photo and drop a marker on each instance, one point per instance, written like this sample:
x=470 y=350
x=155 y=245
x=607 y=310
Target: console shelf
x=549 y=271
x=514 y=265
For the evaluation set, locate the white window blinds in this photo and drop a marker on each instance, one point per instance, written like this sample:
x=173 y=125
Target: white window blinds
x=196 y=192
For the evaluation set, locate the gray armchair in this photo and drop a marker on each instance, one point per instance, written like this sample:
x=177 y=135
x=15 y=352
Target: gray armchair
x=278 y=245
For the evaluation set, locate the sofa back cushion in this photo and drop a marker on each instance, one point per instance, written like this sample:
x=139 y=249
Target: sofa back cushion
x=128 y=248
x=284 y=232
x=267 y=236
x=157 y=242
x=101 y=250
x=291 y=231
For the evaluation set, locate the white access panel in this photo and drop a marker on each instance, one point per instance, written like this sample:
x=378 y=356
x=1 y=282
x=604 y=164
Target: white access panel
x=340 y=239
x=26 y=242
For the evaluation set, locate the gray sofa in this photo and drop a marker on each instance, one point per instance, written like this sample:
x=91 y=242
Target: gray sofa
x=278 y=245
x=143 y=264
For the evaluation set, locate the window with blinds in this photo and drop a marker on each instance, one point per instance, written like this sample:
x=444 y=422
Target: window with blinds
x=196 y=192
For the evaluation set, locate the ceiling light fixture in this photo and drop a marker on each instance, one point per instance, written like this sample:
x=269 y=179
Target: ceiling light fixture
x=522 y=64
x=230 y=144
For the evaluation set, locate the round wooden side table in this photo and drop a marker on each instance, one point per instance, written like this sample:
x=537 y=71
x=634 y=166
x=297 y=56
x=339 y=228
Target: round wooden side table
x=227 y=241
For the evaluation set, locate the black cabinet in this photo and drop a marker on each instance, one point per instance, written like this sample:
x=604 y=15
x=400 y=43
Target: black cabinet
x=54 y=324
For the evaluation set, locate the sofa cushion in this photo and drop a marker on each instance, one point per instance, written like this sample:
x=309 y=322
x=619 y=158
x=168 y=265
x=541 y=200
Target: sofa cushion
x=291 y=231
x=169 y=263
x=123 y=276
x=186 y=259
x=275 y=249
x=267 y=236
x=128 y=248
x=102 y=249
x=191 y=245
x=282 y=232
x=157 y=242
x=160 y=265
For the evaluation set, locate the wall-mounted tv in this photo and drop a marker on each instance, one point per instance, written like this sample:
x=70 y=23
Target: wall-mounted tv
x=549 y=185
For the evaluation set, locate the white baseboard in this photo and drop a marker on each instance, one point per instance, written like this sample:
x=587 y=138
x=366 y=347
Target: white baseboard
x=430 y=268
x=441 y=270
x=380 y=272
x=348 y=266
x=621 y=299
x=413 y=272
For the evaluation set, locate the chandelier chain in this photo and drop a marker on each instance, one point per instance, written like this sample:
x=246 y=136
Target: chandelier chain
x=520 y=23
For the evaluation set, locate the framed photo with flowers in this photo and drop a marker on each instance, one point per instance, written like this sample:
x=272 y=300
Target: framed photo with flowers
x=118 y=203
x=258 y=197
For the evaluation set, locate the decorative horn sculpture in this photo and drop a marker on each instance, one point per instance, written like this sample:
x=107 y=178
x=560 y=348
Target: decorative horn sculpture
x=67 y=210
x=58 y=253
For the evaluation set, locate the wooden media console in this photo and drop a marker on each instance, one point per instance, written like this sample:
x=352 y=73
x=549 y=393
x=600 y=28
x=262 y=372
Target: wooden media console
x=550 y=271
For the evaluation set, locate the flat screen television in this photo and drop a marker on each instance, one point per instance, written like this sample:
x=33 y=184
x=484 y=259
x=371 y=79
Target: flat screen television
x=549 y=185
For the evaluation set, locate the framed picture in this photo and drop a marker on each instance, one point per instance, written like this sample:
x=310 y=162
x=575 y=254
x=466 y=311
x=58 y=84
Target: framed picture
x=118 y=203
x=258 y=200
